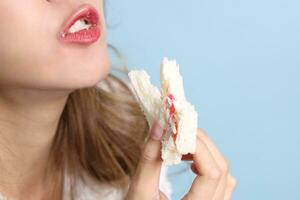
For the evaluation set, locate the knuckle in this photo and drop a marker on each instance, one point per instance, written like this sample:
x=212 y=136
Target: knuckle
x=214 y=173
x=201 y=133
x=146 y=158
x=226 y=166
x=232 y=181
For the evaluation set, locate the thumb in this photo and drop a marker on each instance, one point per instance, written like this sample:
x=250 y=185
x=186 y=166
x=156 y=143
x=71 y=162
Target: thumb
x=149 y=167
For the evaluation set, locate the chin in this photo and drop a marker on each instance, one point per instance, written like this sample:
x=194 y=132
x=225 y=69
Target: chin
x=91 y=74
x=93 y=68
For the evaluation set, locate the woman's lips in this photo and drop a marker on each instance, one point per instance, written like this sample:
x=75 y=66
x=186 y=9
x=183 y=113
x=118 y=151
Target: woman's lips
x=88 y=35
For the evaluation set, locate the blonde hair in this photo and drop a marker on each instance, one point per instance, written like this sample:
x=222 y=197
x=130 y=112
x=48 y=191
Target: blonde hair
x=100 y=133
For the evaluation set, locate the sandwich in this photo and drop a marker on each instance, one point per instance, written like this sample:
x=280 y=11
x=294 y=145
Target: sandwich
x=170 y=108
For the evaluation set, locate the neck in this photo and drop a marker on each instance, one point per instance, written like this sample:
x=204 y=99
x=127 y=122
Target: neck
x=28 y=123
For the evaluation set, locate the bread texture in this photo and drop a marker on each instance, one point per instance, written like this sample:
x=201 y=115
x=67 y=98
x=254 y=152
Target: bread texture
x=170 y=108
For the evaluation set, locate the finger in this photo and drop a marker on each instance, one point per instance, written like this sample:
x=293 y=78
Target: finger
x=149 y=167
x=220 y=191
x=205 y=184
x=224 y=164
x=231 y=184
x=221 y=161
x=219 y=195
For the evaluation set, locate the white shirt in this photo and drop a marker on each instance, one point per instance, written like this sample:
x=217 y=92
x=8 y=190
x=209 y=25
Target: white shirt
x=95 y=191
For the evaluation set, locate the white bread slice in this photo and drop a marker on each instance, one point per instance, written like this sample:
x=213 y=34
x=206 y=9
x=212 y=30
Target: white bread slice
x=156 y=106
x=147 y=95
x=172 y=83
x=171 y=80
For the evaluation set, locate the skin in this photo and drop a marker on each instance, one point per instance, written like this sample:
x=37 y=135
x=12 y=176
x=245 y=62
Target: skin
x=213 y=181
x=38 y=73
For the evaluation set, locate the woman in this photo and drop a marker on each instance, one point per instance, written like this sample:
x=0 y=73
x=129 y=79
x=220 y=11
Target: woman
x=68 y=128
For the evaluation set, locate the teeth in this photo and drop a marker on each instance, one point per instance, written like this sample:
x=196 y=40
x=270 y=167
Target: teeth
x=79 y=25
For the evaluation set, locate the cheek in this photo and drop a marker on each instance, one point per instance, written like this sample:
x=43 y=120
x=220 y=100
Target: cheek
x=89 y=69
x=21 y=41
x=33 y=57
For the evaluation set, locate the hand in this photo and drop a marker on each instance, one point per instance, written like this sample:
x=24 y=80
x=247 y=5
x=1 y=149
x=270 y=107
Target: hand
x=213 y=181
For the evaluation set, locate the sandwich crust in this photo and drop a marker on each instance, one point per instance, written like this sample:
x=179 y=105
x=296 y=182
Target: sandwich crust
x=169 y=106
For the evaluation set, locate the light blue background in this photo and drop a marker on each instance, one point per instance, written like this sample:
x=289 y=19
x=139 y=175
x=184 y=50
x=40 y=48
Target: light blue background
x=241 y=65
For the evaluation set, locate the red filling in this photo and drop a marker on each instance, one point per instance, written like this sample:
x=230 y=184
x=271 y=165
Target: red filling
x=172 y=115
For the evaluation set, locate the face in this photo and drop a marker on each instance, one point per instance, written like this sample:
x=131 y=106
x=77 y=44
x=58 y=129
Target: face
x=31 y=56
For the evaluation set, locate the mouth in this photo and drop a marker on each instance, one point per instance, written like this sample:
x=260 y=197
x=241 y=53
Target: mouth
x=82 y=26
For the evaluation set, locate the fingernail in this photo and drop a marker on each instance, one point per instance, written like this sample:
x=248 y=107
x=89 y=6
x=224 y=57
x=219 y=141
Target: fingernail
x=156 y=132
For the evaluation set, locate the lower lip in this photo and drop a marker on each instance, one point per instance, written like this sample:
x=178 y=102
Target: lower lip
x=86 y=36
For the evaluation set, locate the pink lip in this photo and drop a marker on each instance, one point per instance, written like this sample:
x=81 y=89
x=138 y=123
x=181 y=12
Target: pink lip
x=86 y=36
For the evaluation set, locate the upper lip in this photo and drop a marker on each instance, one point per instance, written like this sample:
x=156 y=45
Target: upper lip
x=84 y=11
